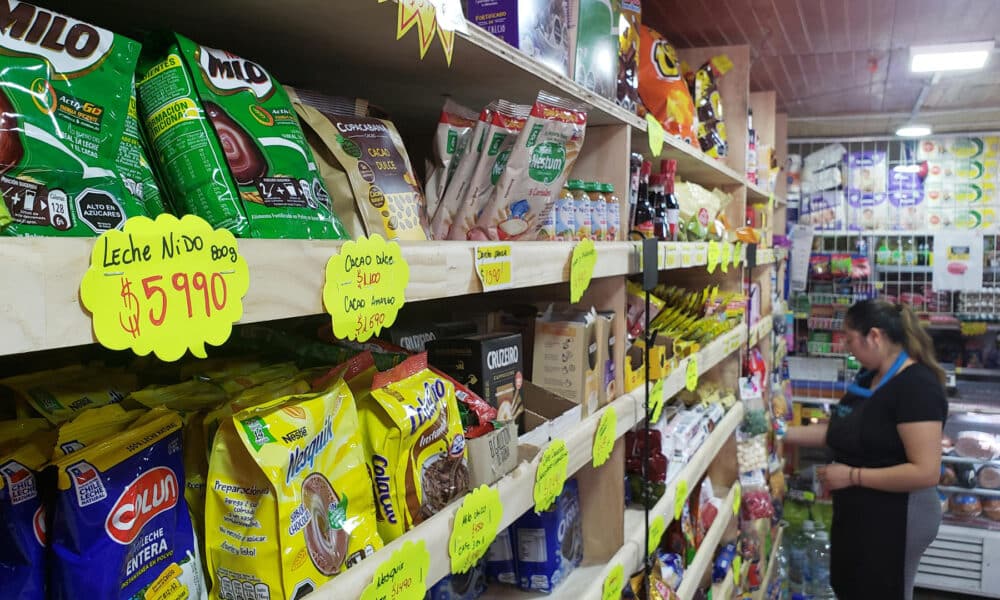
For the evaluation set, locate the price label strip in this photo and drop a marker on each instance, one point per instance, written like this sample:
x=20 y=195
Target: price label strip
x=403 y=576
x=714 y=256
x=493 y=266
x=165 y=286
x=656 y=528
x=604 y=437
x=551 y=475
x=737 y=498
x=727 y=250
x=476 y=524
x=581 y=269
x=680 y=497
x=691 y=374
x=365 y=287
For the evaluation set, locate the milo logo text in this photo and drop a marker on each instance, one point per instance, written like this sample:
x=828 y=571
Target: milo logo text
x=305 y=456
x=380 y=468
x=152 y=493
x=501 y=357
x=427 y=404
x=229 y=73
x=67 y=44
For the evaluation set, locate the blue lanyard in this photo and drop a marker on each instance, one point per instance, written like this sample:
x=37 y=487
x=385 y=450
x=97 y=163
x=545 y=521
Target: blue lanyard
x=859 y=390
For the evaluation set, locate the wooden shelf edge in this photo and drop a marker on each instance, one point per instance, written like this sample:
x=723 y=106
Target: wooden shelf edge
x=706 y=553
x=771 y=560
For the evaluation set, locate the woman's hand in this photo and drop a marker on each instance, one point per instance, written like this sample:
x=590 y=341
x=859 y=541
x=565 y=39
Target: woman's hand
x=835 y=476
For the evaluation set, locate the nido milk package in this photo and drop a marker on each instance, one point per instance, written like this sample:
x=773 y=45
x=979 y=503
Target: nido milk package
x=24 y=448
x=289 y=501
x=228 y=144
x=64 y=99
x=121 y=528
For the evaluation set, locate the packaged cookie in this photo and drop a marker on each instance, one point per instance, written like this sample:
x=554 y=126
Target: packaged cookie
x=290 y=502
x=460 y=182
x=228 y=144
x=121 y=499
x=549 y=545
x=24 y=449
x=414 y=445
x=371 y=152
x=507 y=122
x=539 y=163
x=451 y=139
x=63 y=105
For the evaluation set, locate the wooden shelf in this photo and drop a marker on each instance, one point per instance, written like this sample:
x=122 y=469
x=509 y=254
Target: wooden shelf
x=725 y=588
x=516 y=488
x=761 y=330
x=706 y=553
x=771 y=561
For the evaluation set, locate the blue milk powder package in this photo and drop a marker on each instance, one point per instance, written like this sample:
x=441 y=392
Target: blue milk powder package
x=501 y=565
x=460 y=586
x=121 y=528
x=549 y=545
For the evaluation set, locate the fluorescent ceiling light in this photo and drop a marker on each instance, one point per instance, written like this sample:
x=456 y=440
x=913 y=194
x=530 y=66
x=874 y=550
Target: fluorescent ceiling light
x=913 y=131
x=950 y=57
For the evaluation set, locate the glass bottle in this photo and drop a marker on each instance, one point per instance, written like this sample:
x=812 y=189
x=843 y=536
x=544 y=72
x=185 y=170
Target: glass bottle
x=598 y=211
x=581 y=202
x=642 y=227
x=673 y=208
x=658 y=202
x=565 y=215
x=613 y=212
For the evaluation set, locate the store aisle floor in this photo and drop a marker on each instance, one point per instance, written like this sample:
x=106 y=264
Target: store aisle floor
x=922 y=594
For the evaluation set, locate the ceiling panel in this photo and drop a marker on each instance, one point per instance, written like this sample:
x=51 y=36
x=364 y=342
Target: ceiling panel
x=842 y=57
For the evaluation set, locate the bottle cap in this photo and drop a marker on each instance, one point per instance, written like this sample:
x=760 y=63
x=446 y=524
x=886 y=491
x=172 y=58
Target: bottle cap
x=592 y=186
x=668 y=166
x=822 y=536
x=575 y=184
x=607 y=188
x=808 y=525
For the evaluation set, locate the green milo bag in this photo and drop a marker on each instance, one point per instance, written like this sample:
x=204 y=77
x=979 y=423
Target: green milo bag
x=64 y=98
x=136 y=174
x=228 y=144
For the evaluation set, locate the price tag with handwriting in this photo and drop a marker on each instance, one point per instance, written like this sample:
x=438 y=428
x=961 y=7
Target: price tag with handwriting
x=165 y=286
x=365 y=286
x=604 y=437
x=714 y=256
x=656 y=135
x=614 y=583
x=680 y=497
x=403 y=576
x=581 y=269
x=551 y=474
x=691 y=375
x=737 y=254
x=475 y=528
x=727 y=250
x=494 y=267
x=656 y=528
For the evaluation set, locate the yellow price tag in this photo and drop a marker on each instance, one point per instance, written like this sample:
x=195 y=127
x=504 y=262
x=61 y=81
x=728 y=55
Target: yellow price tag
x=737 y=498
x=605 y=436
x=686 y=258
x=403 y=576
x=614 y=583
x=475 y=527
x=691 y=374
x=727 y=250
x=551 y=474
x=714 y=254
x=493 y=266
x=970 y=329
x=656 y=401
x=737 y=254
x=656 y=135
x=581 y=269
x=680 y=497
x=737 y=569
x=165 y=286
x=672 y=258
x=365 y=287
x=656 y=528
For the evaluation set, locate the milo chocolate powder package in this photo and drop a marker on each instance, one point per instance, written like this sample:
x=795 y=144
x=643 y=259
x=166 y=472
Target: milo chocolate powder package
x=133 y=165
x=228 y=144
x=64 y=99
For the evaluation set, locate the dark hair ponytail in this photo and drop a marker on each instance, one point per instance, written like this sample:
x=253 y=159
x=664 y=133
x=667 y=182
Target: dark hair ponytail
x=900 y=325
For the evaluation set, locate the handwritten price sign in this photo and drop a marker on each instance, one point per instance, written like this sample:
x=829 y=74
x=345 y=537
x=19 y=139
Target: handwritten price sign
x=165 y=286
x=551 y=474
x=365 y=286
x=403 y=576
x=475 y=528
x=494 y=267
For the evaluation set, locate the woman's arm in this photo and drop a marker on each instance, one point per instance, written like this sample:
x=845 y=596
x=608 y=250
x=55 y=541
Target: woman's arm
x=922 y=441
x=809 y=436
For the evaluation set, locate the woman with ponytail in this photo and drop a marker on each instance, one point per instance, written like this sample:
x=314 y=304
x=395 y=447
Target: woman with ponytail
x=885 y=436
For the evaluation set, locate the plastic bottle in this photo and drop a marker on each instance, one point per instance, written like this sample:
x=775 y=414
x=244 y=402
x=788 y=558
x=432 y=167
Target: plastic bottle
x=883 y=253
x=581 y=201
x=798 y=559
x=819 y=568
x=613 y=212
x=598 y=211
x=895 y=252
x=909 y=252
x=922 y=252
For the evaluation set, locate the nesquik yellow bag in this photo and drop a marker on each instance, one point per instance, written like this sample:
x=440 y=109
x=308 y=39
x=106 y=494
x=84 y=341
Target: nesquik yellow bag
x=289 y=500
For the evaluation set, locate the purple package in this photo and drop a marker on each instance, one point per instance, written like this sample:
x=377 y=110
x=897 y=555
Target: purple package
x=826 y=211
x=539 y=28
x=867 y=211
x=866 y=172
x=907 y=209
x=905 y=178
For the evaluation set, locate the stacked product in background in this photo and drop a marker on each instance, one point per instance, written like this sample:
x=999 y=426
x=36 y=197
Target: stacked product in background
x=629 y=55
x=70 y=163
x=960 y=188
x=822 y=203
x=867 y=191
x=595 y=36
x=539 y=28
x=506 y=178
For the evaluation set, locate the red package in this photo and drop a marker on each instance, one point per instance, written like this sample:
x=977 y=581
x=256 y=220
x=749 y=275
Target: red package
x=484 y=413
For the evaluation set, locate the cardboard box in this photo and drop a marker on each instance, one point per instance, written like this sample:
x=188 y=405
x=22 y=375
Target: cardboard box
x=489 y=365
x=413 y=336
x=606 y=391
x=565 y=360
x=492 y=456
x=546 y=416
x=539 y=28
x=594 y=34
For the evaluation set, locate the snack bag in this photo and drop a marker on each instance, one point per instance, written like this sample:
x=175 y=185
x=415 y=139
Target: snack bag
x=414 y=445
x=459 y=185
x=24 y=449
x=507 y=122
x=63 y=104
x=451 y=139
x=227 y=142
x=290 y=502
x=120 y=499
x=711 y=127
x=62 y=394
x=133 y=164
x=92 y=426
x=539 y=163
x=629 y=51
x=370 y=150
x=662 y=88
